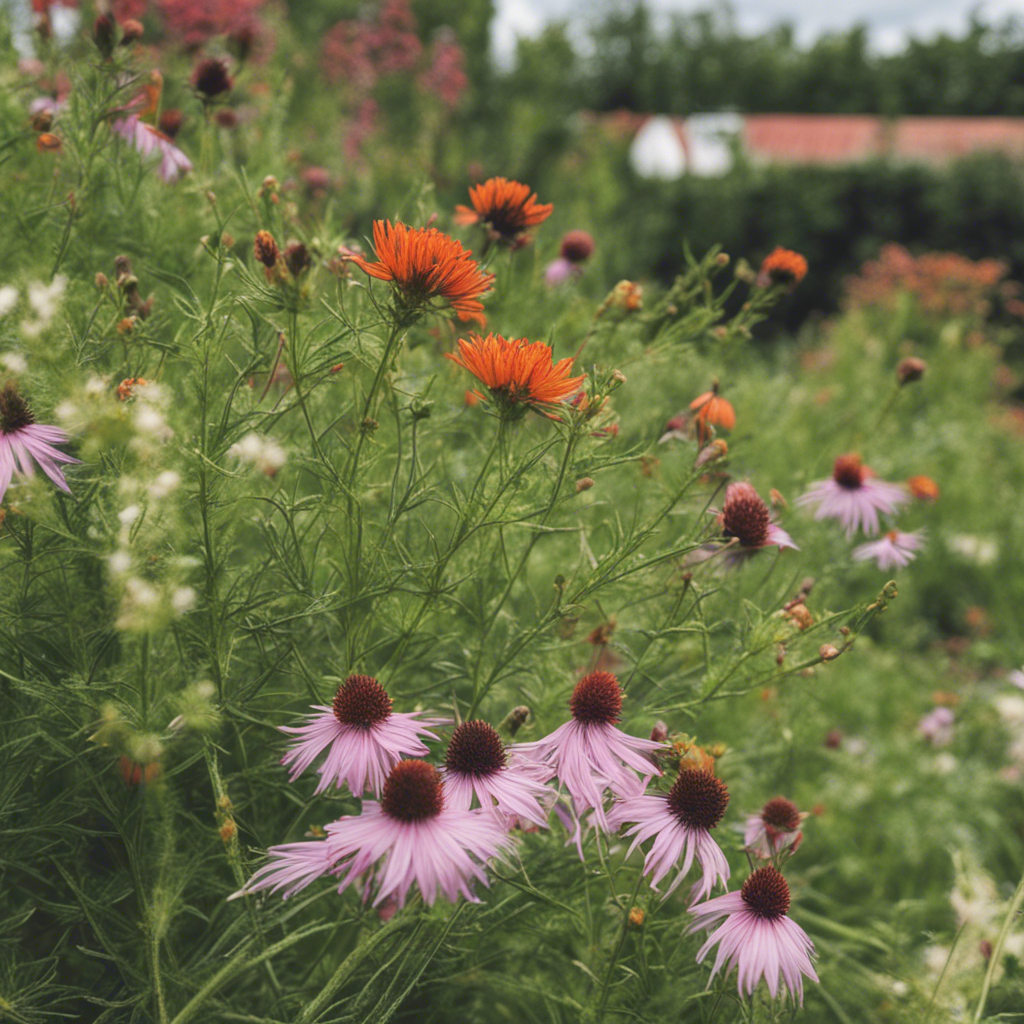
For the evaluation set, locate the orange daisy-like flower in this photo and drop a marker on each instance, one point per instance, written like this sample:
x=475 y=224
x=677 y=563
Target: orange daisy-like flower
x=712 y=410
x=505 y=206
x=425 y=264
x=923 y=487
x=782 y=267
x=519 y=373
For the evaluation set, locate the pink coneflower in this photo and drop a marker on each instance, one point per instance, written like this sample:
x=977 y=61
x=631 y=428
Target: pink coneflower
x=893 y=551
x=852 y=496
x=681 y=824
x=478 y=763
x=589 y=755
x=746 y=517
x=366 y=738
x=775 y=829
x=757 y=937
x=22 y=440
x=148 y=140
x=410 y=836
x=937 y=727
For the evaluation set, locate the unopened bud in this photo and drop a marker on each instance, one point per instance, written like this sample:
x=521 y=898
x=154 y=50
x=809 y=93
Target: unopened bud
x=369 y=425
x=827 y=652
x=103 y=34
x=102 y=282
x=800 y=616
x=659 y=734
x=514 y=720
x=228 y=831
x=636 y=917
x=619 y=377
x=777 y=499
x=985 y=948
x=131 y=30
x=42 y=120
x=910 y=369
x=270 y=184
x=264 y=248
x=48 y=143
x=833 y=739
x=296 y=259
x=584 y=484
x=722 y=259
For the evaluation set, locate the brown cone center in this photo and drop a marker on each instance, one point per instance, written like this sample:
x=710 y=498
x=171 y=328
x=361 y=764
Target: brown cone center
x=361 y=701
x=766 y=893
x=848 y=472
x=781 y=814
x=597 y=699
x=698 y=798
x=746 y=517
x=475 y=749
x=14 y=411
x=412 y=792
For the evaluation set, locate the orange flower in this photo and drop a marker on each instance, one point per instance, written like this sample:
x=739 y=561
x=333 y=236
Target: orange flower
x=923 y=487
x=712 y=410
x=425 y=264
x=518 y=372
x=506 y=206
x=782 y=266
x=48 y=143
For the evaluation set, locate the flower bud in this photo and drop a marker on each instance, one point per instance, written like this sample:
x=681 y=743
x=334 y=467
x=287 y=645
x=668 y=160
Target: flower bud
x=296 y=259
x=265 y=248
x=910 y=369
x=636 y=917
x=103 y=35
x=659 y=734
x=827 y=652
x=577 y=246
x=210 y=78
x=584 y=484
x=131 y=30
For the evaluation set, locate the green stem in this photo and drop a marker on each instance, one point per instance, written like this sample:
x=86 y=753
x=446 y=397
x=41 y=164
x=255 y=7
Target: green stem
x=997 y=950
x=606 y=985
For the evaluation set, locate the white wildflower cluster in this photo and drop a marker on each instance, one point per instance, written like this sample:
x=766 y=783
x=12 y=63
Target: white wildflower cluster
x=43 y=300
x=980 y=912
x=13 y=362
x=263 y=453
x=982 y=551
x=197 y=710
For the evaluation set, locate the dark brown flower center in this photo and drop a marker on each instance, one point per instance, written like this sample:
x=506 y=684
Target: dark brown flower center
x=475 y=749
x=766 y=893
x=14 y=410
x=698 y=798
x=507 y=219
x=211 y=77
x=597 y=699
x=746 y=517
x=781 y=814
x=412 y=792
x=848 y=472
x=361 y=701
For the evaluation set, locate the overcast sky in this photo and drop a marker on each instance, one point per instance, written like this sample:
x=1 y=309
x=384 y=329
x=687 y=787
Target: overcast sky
x=890 y=21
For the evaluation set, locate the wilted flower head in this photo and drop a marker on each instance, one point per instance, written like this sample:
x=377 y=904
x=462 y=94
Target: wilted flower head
x=505 y=206
x=894 y=550
x=852 y=496
x=712 y=410
x=24 y=442
x=746 y=517
x=520 y=374
x=424 y=264
x=782 y=267
x=757 y=937
x=775 y=829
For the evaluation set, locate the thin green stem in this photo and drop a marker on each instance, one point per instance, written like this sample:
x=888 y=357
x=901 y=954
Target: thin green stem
x=997 y=949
